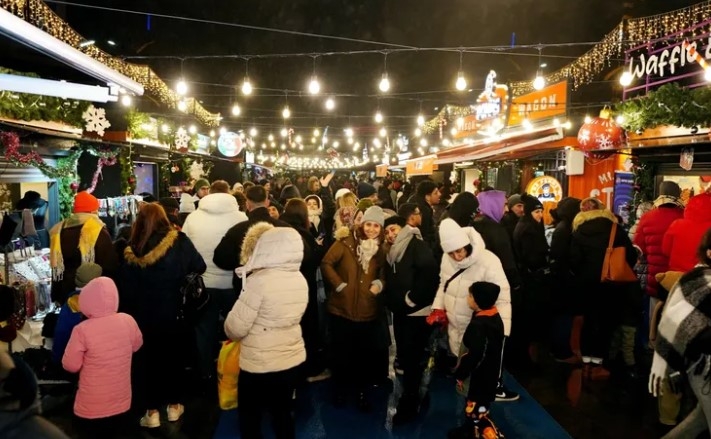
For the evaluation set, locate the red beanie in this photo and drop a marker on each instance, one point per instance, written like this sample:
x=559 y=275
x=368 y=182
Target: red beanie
x=84 y=202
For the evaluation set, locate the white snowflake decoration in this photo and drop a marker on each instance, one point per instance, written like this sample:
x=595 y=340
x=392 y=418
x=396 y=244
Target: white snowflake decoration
x=196 y=170
x=182 y=139
x=584 y=136
x=95 y=120
x=604 y=141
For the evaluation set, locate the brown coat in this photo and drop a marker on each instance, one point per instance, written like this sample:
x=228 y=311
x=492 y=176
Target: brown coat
x=340 y=265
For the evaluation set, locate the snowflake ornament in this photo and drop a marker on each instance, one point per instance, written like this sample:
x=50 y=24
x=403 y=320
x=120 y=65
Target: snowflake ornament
x=604 y=141
x=182 y=139
x=584 y=136
x=95 y=120
x=196 y=170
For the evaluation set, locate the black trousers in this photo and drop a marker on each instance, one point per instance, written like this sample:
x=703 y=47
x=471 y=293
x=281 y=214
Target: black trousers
x=359 y=353
x=266 y=392
x=105 y=428
x=411 y=337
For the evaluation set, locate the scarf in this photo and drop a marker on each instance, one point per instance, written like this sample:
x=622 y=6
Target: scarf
x=315 y=217
x=682 y=320
x=367 y=248
x=91 y=226
x=401 y=242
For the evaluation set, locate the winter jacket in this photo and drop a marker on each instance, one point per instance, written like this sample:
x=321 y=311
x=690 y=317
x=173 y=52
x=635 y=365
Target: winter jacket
x=684 y=235
x=20 y=406
x=427 y=227
x=483 y=340
x=227 y=252
x=206 y=226
x=104 y=252
x=481 y=265
x=150 y=282
x=101 y=349
x=566 y=211
x=414 y=274
x=266 y=316
x=497 y=241
x=313 y=255
x=328 y=212
x=509 y=221
x=649 y=237
x=530 y=245
x=69 y=317
x=354 y=301
x=591 y=235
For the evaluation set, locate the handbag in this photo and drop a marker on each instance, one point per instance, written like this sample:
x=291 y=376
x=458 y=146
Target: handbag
x=193 y=297
x=614 y=266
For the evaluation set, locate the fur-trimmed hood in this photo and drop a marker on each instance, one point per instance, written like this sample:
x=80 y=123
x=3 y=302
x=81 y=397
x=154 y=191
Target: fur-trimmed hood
x=155 y=254
x=266 y=246
x=584 y=217
x=342 y=233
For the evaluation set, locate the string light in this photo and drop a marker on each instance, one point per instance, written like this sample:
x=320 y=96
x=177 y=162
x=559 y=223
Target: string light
x=418 y=132
x=246 y=87
x=330 y=104
x=384 y=84
x=348 y=132
x=420 y=120
x=284 y=132
x=192 y=129
x=314 y=86
x=298 y=139
x=253 y=132
x=539 y=83
x=707 y=74
x=212 y=133
x=286 y=113
x=223 y=131
x=378 y=117
x=181 y=87
x=317 y=133
x=626 y=78
x=126 y=100
x=182 y=105
x=587 y=119
x=383 y=132
x=236 y=110
x=461 y=83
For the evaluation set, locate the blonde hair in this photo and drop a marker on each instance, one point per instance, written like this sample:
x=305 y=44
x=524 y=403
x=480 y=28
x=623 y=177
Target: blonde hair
x=347 y=200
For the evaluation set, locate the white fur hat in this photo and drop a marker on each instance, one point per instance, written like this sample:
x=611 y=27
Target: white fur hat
x=451 y=236
x=341 y=192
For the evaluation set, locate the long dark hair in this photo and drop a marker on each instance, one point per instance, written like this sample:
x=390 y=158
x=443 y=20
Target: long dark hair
x=151 y=220
x=296 y=213
x=463 y=209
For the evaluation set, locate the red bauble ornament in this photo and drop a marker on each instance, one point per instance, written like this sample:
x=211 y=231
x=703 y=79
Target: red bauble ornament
x=132 y=180
x=600 y=133
x=74 y=186
x=476 y=182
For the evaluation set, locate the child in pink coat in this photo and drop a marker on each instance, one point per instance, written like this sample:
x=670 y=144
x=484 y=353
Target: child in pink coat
x=100 y=349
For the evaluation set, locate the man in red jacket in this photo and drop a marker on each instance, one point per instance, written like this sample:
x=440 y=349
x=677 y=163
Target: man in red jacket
x=652 y=227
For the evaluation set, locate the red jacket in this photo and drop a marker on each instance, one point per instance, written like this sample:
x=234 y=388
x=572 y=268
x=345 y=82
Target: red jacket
x=684 y=235
x=649 y=236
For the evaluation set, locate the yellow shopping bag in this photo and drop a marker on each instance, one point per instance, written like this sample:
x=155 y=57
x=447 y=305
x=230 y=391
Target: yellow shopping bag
x=227 y=374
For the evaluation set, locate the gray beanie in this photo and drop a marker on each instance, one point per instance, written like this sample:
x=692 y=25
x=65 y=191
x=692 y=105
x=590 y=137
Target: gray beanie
x=87 y=272
x=374 y=214
x=670 y=189
x=514 y=200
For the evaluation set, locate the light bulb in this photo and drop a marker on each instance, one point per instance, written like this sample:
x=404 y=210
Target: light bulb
x=453 y=131
x=460 y=122
x=423 y=142
x=313 y=140
x=270 y=138
x=461 y=83
x=126 y=100
x=383 y=132
x=298 y=139
x=212 y=133
x=384 y=85
x=182 y=106
x=165 y=128
x=626 y=78
x=246 y=87
x=707 y=74
x=418 y=132
x=286 y=113
x=192 y=129
x=349 y=132
x=378 y=117
x=223 y=131
x=330 y=104
x=527 y=125
x=253 y=132
x=336 y=144
x=620 y=119
x=317 y=133
x=349 y=140
x=181 y=87
x=539 y=82
x=420 y=120
x=236 y=110
x=314 y=86
x=284 y=132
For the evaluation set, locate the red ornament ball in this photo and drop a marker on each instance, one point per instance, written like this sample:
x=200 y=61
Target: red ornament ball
x=131 y=180
x=476 y=182
x=74 y=186
x=600 y=134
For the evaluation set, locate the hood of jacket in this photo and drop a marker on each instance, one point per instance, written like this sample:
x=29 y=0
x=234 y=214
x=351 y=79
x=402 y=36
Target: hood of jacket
x=18 y=395
x=699 y=208
x=491 y=204
x=590 y=215
x=478 y=246
x=99 y=298
x=266 y=246
x=155 y=254
x=342 y=233
x=567 y=209
x=219 y=204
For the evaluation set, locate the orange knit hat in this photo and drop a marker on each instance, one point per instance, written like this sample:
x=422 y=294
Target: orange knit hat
x=84 y=202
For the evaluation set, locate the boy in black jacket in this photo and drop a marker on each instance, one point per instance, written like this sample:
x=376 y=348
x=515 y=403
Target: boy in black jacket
x=483 y=341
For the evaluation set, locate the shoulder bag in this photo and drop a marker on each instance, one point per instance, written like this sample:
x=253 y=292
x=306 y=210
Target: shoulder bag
x=614 y=266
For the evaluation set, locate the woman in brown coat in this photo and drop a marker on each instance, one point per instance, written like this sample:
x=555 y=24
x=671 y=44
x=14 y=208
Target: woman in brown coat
x=354 y=268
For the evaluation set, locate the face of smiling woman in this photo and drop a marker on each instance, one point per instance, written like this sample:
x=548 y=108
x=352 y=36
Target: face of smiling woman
x=371 y=229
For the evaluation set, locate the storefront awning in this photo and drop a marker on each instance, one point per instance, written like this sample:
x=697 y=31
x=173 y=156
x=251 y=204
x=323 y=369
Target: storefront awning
x=508 y=148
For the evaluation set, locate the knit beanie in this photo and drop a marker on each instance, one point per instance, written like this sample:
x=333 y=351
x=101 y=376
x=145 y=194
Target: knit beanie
x=341 y=192
x=87 y=272
x=514 y=200
x=400 y=221
x=169 y=203
x=84 y=202
x=187 y=203
x=289 y=192
x=530 y=203
x=670 y=189
x=374 y=214
x=200 y=183
x=451 y=236
x=485 y=294
x=364 y=205
x=365 y=190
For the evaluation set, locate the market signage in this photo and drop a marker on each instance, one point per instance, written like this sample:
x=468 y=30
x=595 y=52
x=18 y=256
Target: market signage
x=664 y=60
x=420 y=166
x=488 y=112
x=230 y=144
x=542 y=104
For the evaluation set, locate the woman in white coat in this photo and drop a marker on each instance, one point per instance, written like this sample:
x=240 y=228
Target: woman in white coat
x=266 y=320
x=466 y=260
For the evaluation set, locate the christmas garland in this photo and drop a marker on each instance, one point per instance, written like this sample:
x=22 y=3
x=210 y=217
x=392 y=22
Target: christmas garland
x=128 y=178
x=106 y=158
x=143 y=126
x=670 y=104
x=644 y=179
x=179 y=166
x=447 y=115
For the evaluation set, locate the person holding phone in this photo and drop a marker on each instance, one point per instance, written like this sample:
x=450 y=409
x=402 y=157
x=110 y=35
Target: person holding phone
x=321 y=208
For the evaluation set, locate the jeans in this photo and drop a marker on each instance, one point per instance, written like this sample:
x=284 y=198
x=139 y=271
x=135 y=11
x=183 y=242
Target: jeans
x=411 y=336
x=699 y=419
x=209 y=327
x=266 y=392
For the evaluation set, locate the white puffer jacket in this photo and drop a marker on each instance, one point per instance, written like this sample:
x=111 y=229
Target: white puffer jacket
x=481 y=265
x=205 y=227
x=274 y=296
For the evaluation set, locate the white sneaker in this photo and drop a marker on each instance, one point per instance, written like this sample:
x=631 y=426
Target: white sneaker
x=150 y=420
x=326 y=374
x=175 y=412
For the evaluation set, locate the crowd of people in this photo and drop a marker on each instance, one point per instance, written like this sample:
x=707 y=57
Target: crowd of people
x=310 y=279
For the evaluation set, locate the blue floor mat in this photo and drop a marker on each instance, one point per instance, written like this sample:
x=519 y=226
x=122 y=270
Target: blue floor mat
x=316 y=418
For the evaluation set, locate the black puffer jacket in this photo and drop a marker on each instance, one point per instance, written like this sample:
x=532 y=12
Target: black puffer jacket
x=530 y=245
x=498 y=242
x=566 y=211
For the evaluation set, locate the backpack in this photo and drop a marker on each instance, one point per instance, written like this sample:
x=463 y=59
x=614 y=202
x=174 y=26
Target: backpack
x=193 y=297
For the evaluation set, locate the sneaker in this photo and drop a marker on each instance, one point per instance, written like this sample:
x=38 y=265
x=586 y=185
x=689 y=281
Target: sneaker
x=324 y=375
x=150 y=420
x=504 y=394
x=175 y=412
x=599 y=373
x=573 y=359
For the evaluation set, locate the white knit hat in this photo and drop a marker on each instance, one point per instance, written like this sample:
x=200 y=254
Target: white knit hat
x=374 y=214
x=451 y=236
x=341 y=192
x=187 y=203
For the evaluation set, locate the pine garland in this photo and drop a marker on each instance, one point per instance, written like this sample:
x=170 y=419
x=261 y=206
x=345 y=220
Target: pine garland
x=670 y=104
x=128 y=178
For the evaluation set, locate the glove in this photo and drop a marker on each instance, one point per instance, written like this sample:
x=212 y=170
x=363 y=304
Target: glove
x=658 y=373
x=437 y=317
